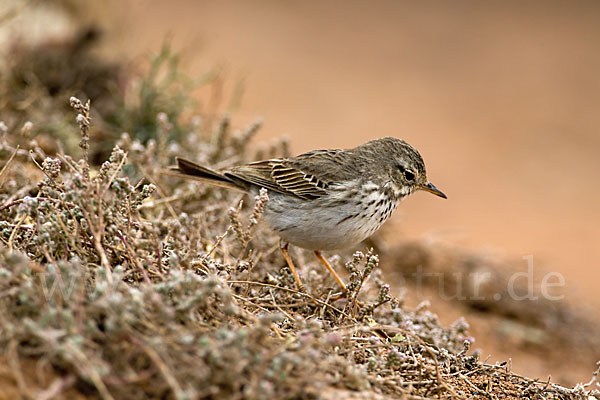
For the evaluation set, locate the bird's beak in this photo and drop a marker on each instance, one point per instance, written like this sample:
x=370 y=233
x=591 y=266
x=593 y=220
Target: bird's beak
x=432 y=189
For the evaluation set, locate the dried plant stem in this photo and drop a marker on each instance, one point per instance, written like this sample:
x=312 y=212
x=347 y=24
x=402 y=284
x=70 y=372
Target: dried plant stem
x=426 y=346
x=337 y=310
x=57 y=387
x=16 y=370
x=112 y=177
x=162 y=367
x=17 y=226
x=88 y=369
x=5 y=167
x=84 y=121
x=216 y=245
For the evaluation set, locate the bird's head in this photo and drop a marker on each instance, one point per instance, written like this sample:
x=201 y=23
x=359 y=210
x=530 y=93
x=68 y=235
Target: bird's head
x=406 y=169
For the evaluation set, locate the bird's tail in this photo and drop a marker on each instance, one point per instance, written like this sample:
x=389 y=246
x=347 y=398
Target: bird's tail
x=190 y=170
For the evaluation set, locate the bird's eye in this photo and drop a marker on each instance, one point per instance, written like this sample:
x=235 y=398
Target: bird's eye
x=408 y=174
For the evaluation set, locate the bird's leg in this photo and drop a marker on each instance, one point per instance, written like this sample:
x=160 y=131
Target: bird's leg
x=337 y=278
x=290 y=263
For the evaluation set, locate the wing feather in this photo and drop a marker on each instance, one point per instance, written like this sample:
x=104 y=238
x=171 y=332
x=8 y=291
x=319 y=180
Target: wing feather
x=308 y=176
x=279 y=176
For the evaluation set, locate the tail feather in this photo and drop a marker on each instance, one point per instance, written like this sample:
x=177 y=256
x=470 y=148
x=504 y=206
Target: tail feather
x=190 y=170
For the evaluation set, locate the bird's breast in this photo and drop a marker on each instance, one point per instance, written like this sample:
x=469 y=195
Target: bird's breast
x=336 y=221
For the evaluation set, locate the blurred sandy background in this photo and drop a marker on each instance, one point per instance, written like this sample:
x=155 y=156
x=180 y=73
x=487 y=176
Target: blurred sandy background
x=501 y=99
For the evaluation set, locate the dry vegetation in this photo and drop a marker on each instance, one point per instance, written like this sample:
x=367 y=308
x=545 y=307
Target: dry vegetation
x=117 y=282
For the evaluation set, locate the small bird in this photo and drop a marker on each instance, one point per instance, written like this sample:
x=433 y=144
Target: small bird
x=326 y=199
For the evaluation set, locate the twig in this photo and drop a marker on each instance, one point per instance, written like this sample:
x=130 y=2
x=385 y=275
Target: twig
x=87 y=368
x=113 y=176
x=426 y=346
x=162 y=367
x=216 y=244
x=5 y=167
x=295 y=292
x=84 y=121
x=277 y=305
x=15 y=366
x=57 y=387
x=250 y=302
x=472 y=385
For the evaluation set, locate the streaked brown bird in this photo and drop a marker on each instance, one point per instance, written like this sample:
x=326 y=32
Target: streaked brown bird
x=326 y=199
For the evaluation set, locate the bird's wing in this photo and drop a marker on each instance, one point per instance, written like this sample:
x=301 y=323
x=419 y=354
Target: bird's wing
x=307 y=176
